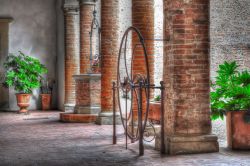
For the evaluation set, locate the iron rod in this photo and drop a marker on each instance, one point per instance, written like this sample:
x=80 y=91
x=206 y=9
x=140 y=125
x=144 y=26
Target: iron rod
x=132 y=114
x=126 y=112
x=141 y=147
x=162 y=119
x=114 y=114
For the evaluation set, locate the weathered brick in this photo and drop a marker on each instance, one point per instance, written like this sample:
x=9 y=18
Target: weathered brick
x=186 y=76
x=86 y=16
x=109 y=50
x=71 y=52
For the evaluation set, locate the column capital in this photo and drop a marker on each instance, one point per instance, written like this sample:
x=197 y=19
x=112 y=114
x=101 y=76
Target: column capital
x=72 y=9
x=87 y=2
x=71 y=6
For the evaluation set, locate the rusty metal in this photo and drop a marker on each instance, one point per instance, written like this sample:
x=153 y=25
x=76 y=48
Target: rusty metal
x=114 y=115
x=135 y=86
x=162 y=118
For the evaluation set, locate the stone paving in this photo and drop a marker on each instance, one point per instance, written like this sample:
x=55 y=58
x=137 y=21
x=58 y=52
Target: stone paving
x=40 y=139
x=219 y=129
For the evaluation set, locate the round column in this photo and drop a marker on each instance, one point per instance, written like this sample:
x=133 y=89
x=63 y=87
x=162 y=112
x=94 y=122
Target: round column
x=143 y=19
x=71 y=14
x=186 y=77
x=109 y=52
x=86 y=16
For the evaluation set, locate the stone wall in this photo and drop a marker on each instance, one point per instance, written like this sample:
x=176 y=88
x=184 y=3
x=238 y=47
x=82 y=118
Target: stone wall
x=230 y=40
x=34 y=31
x=229 y=32
x=158 y=34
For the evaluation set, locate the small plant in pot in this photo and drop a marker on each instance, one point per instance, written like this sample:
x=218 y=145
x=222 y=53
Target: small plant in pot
x=24 y=73
x=155 y=109
x=46 y=93
x=157 y=98
x=230 y=96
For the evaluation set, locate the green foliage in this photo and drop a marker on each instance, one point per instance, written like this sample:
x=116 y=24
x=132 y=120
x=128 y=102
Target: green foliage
x=23 y=72
x=157 y=98
x=231 y=90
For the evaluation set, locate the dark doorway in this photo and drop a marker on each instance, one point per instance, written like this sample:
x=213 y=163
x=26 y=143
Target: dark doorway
x=4 y=42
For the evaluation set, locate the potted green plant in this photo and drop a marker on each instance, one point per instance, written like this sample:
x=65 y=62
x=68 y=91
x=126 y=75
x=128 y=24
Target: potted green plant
x=46 y=93
x=230 y=96
x=24 y=73
x=155 y=109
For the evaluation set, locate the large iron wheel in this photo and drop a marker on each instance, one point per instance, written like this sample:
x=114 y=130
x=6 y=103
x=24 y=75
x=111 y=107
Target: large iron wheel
x=128 y=83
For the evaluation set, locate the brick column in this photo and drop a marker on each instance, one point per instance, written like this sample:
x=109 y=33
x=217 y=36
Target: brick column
x=143 y=19
x=186 y=76
x=71 y=13
x=109 y=52
x=86 y=14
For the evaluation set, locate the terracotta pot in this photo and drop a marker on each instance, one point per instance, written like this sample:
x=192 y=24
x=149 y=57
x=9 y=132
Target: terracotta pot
x=23 y=101
x=238 y=131
x=46 y=101
x=155 y=111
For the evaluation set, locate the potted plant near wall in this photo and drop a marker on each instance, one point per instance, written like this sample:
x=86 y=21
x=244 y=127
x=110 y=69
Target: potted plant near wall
x=24 y=73
x=230 y=96
x=46 y=93
x=155 y=109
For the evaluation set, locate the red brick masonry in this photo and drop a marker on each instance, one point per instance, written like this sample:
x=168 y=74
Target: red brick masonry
x=71 y=52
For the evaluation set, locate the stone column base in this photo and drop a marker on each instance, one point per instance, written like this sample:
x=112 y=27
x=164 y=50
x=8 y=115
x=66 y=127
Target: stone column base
x=69 y=108
x=87 y=109
x=189 y=144
x=106 y=118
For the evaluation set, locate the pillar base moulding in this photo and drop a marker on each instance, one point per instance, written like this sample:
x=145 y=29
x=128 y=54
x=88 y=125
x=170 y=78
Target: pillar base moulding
x=71 y=9
x=69 y=108
x=106 y=118
x=87 y=109
x=87 y=2
x=176 y=145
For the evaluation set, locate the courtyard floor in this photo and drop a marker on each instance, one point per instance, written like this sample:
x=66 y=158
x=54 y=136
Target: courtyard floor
x=40 y=139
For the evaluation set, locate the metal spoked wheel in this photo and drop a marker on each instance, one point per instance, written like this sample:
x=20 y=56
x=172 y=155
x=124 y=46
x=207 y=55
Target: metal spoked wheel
x=132 y=98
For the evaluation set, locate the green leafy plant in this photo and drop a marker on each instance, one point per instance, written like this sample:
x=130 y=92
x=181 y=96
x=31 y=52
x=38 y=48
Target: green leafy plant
x=23 y=72
x=230 y=91
x=157 y=98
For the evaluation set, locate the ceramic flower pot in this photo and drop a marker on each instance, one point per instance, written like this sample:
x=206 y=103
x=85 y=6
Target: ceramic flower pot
x=46 y=101
x=238 y=131
x=155 y=111
x=23 y=102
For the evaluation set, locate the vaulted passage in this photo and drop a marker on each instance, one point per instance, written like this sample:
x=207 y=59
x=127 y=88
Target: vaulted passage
x=125 y=78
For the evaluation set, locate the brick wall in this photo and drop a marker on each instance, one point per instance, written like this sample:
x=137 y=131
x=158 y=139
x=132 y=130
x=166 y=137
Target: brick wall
x=186 y=66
